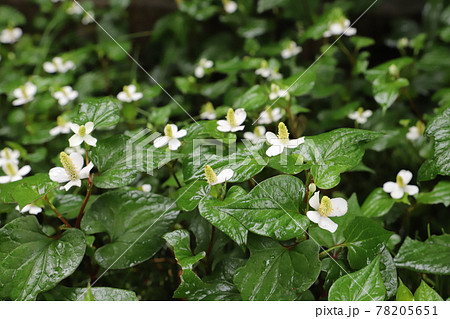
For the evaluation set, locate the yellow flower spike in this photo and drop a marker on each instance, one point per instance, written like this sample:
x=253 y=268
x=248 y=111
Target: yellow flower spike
x=283 y=133
x=421 y=127
x=69 y=166
x=168 y=130
x=60 y=121
x=10 y=169
x=211 y=177
x=400 y=181
x=325 y=208
x=230 y=117
x=82 y=131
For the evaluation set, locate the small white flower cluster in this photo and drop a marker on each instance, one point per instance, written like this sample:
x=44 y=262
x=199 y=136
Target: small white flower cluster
x=75 y=9
x=416 y=132
x=267 y=72
x=24 y=94
x=291 y=50
x=202 y=66
x=229 y=6
x=10 y=35
x=9 y=161
x=336 y=28
x=129 y=94
x=360 y=116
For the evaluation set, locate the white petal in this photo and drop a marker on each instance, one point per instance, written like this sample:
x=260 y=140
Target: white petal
x=131 y=88
x=90 y=140
x=313 y=216
x=273 y=96
x=389 y=187
x=411 y=189
x=199 y=72
x=72 y=183
x=25 y=209
x=180 y=134
x=274 y=150
x=89 y=127
x=327 y=224
x=295 y=143
x=237 y=128
x=367 y=113
x=397 y=193
x=174 y=144
x=19 y=102
x=223 y=126
x=137 y=96
x=63 y=101
x=161 y=141
x=5 y=179
x=75 y=128
x=146 y=188
x=122 y=96
x=49 y=67
x=314 y=201
x=405 y=175
x=55 y=131
x=225 y=175
x=240 y=116
x=34 y=210
x=75 y=140
x=339 y=206
x=24 y=170
x=77 y=160
x=59 y=175
x=250 y=136
x=350 y=32
x=336 y=28
x=84 y=173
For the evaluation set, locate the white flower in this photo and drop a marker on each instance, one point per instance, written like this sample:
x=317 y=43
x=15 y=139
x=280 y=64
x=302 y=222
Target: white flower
x=277 y=93
x=10 y=35
x=202 y=65
x=233 y=121
x=76 y=149
x=129 y=94
x=257 y=136
x=324 y=209
x=146 y=188
x=292 y=50
x=32 y=209
x=270 y=115
x=415 y=132
x=62 y=128
x=57 y=65
x=8 y=155
x=265 y=71
x=282 y=141
x=208 y=112
x=82 y=134
x=13 y=173
x=72 y=170
x=213 y=179
x=400 y=187
x=361 y=115
x=24 y=94
x=339 y=27
x=88 y=18
x=275 y=75
x=171 y=137
x=74 y=9
x=229 y=6
x=65 y=95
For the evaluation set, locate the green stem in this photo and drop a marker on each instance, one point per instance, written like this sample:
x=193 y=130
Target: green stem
x=347 y=53
x=325 y=253
x=86 y=200
x=53 y=208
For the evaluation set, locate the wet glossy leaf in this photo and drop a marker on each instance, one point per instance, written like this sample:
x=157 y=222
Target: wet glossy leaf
x=189 y=196
x=227 y=223
x=431 y=256
x=333 y=153
x=403 y=293
x=135 y=222
x=439 y=194
x=61 y=293
x=377 y=204
x=426 y=293
x=364 y=239
x=272 y=208
x=363 y=285
x=104 y=112
x=274 y=272
x=31 y=262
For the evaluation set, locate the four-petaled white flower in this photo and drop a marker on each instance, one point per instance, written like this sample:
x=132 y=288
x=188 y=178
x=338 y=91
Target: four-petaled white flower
x=8 y=155
x=415 y=132
x=57 y=65
x=72 y=171
x=146 y=188
x=339 y=27
x=208 y=112
x=282 y=141
x=360 y=115
x=129 y=94
x=257 y=136
x=233 y=122
x=24 y=94
x=62 y=128
x=264 y=70
x=10 y=35
x=325 y=209
x=270 y=115
x=277 y=93
x=400 y=187
x=13 y=173
x=171 y=137
x=82 y=134
x=222 y=177
x=291 y=50
x=32 y=209
x=65 y=95
x=229 y=6
x=203 y=65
